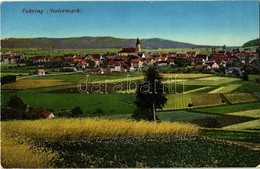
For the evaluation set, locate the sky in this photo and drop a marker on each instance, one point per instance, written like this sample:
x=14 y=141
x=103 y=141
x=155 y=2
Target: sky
x=230 y=23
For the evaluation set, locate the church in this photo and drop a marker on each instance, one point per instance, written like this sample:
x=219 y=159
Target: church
x=131 y=51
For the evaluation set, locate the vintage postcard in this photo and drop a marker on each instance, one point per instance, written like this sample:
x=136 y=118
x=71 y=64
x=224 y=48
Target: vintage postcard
x=130 y=84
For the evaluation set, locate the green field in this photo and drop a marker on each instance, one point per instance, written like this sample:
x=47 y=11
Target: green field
x=108 y=103
x=229 y=108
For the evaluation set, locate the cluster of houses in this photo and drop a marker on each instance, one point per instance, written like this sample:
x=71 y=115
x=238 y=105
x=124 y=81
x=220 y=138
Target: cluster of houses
x=133 y=59
x=10 y=57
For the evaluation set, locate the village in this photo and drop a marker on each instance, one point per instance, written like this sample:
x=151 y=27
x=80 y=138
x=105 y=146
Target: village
x=226 y=62
x=134 y=59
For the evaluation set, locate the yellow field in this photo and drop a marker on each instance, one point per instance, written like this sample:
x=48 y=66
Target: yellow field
x=17 y=155
x=17 y=152
x=75 y=129
x=204 y=100
x=249 y=113
x=240 y=97
x=177 y=101
x=226 y=89
x=34 y=83
x=250 y=125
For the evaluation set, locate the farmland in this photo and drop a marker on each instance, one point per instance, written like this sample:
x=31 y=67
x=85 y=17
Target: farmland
x=223 y=109
x=85 y=143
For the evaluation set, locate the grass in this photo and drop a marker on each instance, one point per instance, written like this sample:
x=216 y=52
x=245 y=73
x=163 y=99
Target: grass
x=248 y=113
x=177 y=101
x=244 y=136
x=185 y=75
x=226 y=89
x=34 y=83
x=212 y=81
x=108 y=103
x=182 y=116
x=171 y=116
x=15 y=153
x=235 y=98
x=229 y=108
x=30 y=52
x=77 y=129
x=250 y=125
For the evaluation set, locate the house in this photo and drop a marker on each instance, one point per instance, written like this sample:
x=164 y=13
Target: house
x=41 y=72
x=97 y=62
x=38 y=113
x=47 y=114
x=215 y=66
x=118 y=66
x=136 y=64
x=162 y=63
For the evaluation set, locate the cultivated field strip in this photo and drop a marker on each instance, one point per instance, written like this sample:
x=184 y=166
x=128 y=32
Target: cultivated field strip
x=235 y=98
x=177 y=101
x=34 y=83
x=204 y=100
x=250 y=125
x=247 y=113
x=226 y=89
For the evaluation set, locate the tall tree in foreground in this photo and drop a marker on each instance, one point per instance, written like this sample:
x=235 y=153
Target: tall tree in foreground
x=150 y=95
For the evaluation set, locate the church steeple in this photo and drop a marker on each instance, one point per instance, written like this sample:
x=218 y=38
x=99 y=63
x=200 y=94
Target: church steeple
x=138 y=45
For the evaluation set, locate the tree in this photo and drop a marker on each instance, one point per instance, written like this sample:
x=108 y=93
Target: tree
x=190 y=105
x=15 y=109
x=224 y=47
x=245 y=76
x=149 y=95
x=76 y=112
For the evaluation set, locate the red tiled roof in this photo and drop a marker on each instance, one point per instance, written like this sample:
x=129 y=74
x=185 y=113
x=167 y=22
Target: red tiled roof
x=128 y=50
x=134 y=61
x=46 y=113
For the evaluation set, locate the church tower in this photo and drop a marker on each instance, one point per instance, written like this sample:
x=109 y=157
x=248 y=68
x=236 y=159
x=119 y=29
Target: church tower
x=138 y=45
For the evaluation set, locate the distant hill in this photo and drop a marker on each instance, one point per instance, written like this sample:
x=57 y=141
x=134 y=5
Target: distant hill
x=255 y=42
x=92 y=42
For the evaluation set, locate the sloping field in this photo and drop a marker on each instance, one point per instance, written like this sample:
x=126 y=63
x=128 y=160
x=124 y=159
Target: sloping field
x=230 y=108
x=225 y=89
x=250 y=125
x=183 y=116
x=204 y=99
x=248 y=113
x=235 y=98
x=34 y=83
x=177 y=101
x=215 y=80
x=186 y=75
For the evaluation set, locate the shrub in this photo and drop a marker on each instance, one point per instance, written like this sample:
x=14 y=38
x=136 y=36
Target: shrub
x=76 y=112
x=98 y=111
x=8 y=79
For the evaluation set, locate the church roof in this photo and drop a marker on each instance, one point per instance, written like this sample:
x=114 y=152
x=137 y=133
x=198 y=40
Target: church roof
x=127 y=50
